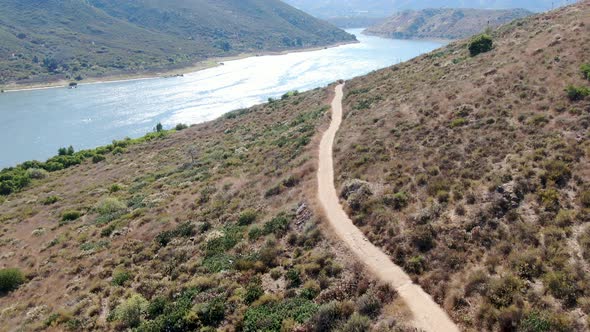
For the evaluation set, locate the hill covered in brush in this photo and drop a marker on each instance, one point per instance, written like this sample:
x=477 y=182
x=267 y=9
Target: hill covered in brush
x=443 y=23
x=473 y=172
x=74 y=39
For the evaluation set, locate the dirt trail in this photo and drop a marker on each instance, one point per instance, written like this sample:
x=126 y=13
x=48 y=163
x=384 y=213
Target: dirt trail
x=428 y=315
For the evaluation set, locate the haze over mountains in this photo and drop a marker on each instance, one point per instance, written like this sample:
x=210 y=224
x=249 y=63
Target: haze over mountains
x=384 y=8
x=443 y=23
x=51 y=39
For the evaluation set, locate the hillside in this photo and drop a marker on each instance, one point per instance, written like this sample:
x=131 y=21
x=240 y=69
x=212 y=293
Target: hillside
x=380 y=8
x=470 y=172
x=443 y=23
x=473 y=173
x=75 y=39
x=213 y=226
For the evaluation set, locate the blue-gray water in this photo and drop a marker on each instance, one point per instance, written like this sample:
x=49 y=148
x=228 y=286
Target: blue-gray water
x=34 y=124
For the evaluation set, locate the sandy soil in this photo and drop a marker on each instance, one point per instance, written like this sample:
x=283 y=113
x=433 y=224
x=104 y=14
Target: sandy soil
x=428 y=315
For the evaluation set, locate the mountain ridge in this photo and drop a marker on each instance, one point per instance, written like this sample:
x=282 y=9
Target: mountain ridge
x=443 y=23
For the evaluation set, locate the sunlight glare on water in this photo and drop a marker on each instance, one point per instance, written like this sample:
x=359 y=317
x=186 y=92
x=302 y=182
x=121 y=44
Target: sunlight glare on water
x=36 y=123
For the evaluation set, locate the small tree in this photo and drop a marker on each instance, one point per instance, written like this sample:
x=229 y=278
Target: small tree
x=159 y=127
x=481 y=44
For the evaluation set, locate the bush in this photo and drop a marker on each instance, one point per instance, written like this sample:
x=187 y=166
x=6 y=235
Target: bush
x=327 y=317
x=247 y=217
x=70 y=215
x=10 y=279
x=356 y=323
x=480 y=44
x=109 y=205
x=585 y=68
x=369 y=305
x=212 y=313
x=277 y=225
x=181 y=126
x=120 y=277
x=129 y=313
x=397 y=201
x=98 y=158
x=253 y=291
x=37 y=173
x=270 y=316
x=502 y=291
x=311 y=289
x=423 y=237
x=563 y=286
x=50 y=200
x=575 y=93
x=294 y=278
x=585 y=198
x=558 y=172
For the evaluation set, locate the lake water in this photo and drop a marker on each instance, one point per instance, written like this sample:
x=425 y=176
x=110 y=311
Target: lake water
x=34 y=124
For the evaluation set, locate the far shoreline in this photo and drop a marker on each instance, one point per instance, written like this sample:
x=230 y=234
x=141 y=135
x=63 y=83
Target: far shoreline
x=156 y=74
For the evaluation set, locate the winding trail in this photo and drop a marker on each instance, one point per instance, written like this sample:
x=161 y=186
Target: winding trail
x=427 y=314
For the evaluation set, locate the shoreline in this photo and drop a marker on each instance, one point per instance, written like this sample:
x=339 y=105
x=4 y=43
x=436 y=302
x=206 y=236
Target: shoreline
x=156 y=74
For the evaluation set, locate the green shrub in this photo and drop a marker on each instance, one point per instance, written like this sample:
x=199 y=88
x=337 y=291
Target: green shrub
x=212 y=313
x=558 y=172
x=270 y=316
x=356 y=323
x=181 y=126
x=70 y=215
x=397 y=201
x=480 y=44
x=311 y=289
x=459 y=122
x=50 y=200
x=120 y=277
x=98 y=158
x=255 y=233
x=37 y=173
x=10 y=279
x=294 y=278
x=416 y=264
x=186 y=229
x=575 y=93
x=277 y=225
x=585 y=68
x=563 y=286
x=501 y=291
x=253 y=291
x=109 y=205
x=129 y=313
x=247 y=217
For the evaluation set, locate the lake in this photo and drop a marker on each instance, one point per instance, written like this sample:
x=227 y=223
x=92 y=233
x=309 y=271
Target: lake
x=34 y=124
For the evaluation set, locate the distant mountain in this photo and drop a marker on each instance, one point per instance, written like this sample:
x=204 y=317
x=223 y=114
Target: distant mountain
x=381 y=8
x=57 y=39
x=443 y=23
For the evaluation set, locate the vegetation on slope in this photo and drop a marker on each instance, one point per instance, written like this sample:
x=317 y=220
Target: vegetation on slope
x=75 y=39
x=443 y=23
x=473 y=173
x=212 y=227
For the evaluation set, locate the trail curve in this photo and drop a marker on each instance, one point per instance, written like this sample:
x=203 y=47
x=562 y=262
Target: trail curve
x=427 y=314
